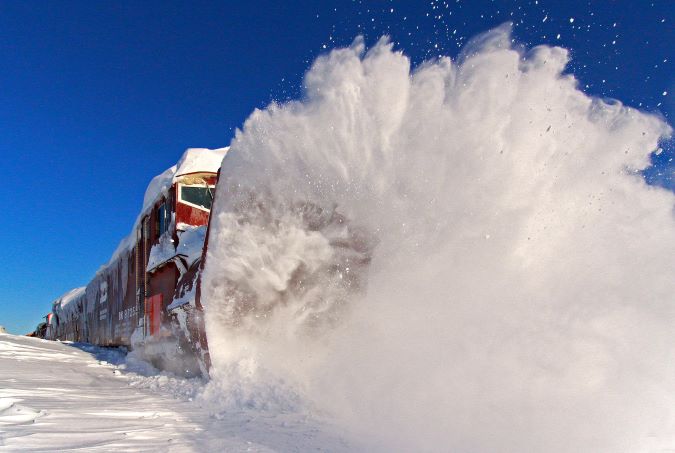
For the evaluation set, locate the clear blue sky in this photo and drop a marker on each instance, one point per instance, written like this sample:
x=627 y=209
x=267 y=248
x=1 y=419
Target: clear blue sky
x=98 y=97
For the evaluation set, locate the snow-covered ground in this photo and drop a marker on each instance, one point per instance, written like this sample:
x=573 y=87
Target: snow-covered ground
x=59 y=397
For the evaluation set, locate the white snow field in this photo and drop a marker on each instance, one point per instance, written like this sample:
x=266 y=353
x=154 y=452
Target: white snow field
x=61 y=397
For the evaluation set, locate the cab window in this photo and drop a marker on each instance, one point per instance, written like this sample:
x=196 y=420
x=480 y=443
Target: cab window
x=163 y=219
x=200 y=196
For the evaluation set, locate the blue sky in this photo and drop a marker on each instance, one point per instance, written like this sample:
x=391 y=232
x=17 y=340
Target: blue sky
x=98 y=97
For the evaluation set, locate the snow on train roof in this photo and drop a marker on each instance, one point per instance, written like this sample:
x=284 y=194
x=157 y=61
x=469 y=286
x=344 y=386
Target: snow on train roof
x=63 y=303
x=193 y=160
x=200 y=160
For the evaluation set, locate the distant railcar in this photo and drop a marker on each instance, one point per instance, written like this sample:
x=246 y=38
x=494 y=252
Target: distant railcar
x=145 y=296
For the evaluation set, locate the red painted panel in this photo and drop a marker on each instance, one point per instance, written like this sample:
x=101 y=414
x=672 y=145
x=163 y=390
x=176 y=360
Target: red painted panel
x=163 y=281
x=191 y=216
x=153 y=306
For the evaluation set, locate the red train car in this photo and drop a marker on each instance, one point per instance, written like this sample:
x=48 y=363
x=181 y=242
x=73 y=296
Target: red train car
x=145 y=297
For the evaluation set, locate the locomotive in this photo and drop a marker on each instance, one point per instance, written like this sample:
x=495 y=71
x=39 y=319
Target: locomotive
x=146 y=298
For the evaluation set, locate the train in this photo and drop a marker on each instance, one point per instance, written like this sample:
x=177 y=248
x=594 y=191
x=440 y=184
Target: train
x=147 y=298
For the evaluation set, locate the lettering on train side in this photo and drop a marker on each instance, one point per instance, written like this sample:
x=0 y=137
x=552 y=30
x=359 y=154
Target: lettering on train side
x=127 y=313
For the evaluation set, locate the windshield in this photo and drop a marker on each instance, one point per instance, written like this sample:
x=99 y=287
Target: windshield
x=197 y=195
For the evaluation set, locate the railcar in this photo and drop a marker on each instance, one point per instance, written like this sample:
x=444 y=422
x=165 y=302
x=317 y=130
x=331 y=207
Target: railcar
x=145 y=297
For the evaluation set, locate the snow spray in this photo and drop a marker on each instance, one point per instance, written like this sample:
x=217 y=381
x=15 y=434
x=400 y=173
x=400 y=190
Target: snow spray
x=462 y=256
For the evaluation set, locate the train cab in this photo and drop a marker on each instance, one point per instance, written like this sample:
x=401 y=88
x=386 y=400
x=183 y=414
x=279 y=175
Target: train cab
x=171 y=237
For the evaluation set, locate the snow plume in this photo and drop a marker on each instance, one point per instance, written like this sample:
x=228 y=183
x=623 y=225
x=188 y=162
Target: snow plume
x=458 y=257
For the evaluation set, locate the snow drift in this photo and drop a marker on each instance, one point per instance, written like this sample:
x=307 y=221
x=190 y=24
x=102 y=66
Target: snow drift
x=461 y=256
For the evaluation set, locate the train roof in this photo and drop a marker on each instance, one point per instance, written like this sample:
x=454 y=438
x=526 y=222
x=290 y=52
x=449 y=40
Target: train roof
x=198 y=160
x=64 y=304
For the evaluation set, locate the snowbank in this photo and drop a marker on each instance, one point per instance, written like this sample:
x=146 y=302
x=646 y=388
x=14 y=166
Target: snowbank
x=60 y=397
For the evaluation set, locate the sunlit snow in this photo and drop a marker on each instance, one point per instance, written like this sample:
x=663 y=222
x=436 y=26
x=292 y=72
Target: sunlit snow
x=64 y=397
